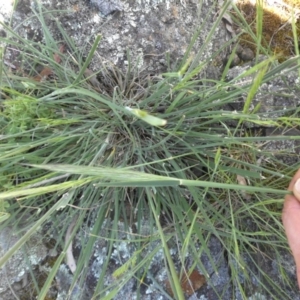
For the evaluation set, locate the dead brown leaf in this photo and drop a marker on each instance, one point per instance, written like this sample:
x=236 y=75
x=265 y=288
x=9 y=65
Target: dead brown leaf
x=43 y=74
x=189 y=284
x=242 y=181
x=91 y=77
x=56 y=56
x=46 y=72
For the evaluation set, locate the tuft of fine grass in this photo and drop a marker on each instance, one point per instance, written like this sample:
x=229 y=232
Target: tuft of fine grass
x=71 y=150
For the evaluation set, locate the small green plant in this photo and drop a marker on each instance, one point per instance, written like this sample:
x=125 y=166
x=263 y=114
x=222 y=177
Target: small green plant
x=22 y=113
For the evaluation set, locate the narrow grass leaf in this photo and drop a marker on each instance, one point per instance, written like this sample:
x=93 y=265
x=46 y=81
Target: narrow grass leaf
x=254 y=88
x=124 y=177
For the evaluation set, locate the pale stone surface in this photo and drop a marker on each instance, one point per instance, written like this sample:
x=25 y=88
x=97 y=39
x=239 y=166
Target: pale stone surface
x=14 y=274
x=275 y=96
x=148 y=29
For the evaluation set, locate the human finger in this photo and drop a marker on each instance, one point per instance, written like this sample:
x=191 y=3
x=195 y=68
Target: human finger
x=291 y=223
x=291 y=220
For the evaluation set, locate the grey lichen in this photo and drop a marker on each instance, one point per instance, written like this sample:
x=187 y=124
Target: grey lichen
x=107 y=7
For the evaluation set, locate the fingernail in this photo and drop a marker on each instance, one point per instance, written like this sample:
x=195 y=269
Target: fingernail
x=297 y=185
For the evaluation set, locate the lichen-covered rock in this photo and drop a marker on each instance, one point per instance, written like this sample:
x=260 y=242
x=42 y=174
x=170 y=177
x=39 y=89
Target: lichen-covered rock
x=274 y=97
x=107 y=7
x=148 y=30
x=155 y=276
x=14 y=274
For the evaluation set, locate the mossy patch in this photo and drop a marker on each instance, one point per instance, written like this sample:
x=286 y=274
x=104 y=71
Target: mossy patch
x=277 y=30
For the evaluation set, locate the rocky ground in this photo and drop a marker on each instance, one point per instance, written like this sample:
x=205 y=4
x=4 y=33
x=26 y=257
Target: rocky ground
x=143 y=32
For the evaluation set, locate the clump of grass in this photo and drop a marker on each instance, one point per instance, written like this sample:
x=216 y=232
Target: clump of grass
x=73 y=145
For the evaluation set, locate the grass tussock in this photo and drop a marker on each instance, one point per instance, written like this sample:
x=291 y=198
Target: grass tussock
x=113 y=145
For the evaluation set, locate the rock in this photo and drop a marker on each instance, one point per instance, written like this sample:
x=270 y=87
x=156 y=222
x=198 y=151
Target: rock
x=246 y=54
x=150 y=30
x=107 y=7
x=219 y=267
x=14 y=274
x=286 y=150
x=275 y=97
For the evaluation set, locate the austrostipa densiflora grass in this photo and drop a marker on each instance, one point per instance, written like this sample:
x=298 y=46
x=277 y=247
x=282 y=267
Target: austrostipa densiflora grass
x=175 y=170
